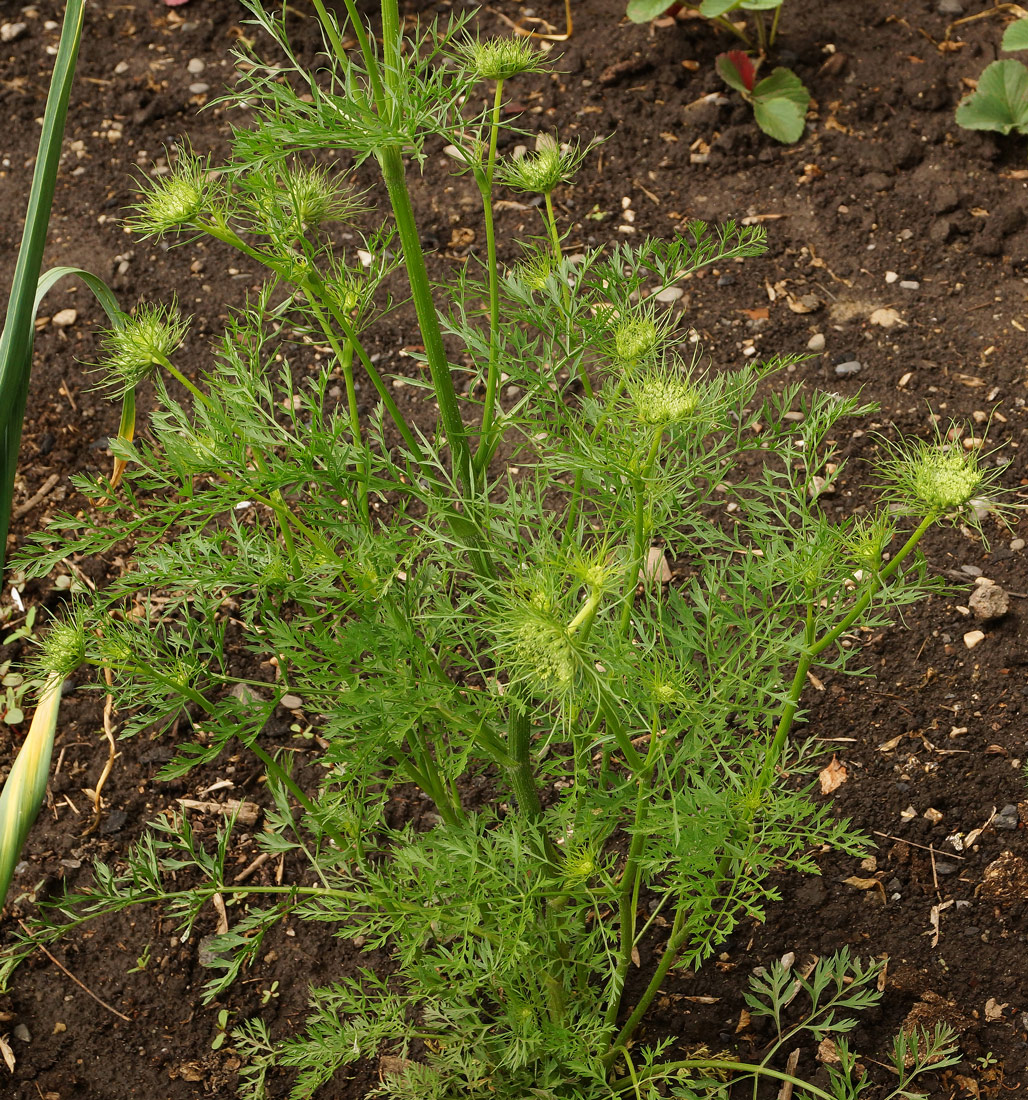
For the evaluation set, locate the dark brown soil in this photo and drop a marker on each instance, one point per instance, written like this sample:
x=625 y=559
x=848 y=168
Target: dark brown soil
x=883 y=181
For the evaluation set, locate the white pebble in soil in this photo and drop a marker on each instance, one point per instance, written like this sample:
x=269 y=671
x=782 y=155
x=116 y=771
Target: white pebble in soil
x=816 y=342
x=196 y=66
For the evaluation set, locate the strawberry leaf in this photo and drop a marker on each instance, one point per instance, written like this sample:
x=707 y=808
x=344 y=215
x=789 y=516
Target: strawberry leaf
x=642 y=11
x=737 y=70
x=1000 y=102
x=780 y=104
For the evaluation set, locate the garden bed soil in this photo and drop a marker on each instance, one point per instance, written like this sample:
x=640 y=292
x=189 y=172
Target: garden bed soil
x=884 y=205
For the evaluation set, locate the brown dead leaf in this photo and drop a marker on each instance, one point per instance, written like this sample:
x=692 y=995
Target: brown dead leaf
x=760 y=314
x=806 y=303
x=699 y=1000
x=744 y=1021
x=994 y=1009
x=833 y=776
x=828 y=1053
x=866 y=884
x=8 y=1054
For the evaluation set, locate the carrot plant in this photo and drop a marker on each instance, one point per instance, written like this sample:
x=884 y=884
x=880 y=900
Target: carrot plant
x=473 y=605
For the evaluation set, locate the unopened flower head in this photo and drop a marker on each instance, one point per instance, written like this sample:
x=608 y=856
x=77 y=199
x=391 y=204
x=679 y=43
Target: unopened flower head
x=133 y=349
x=548 y=167
x=313 y=198
x=64 y=647
x=173 y=201
x=657 y=398
x=937 y=478
x=580 y=862
x=635 y=338
x=597 y=567
x=534 y=271
x=541 y=650
x=868 y=538
x=500 y=58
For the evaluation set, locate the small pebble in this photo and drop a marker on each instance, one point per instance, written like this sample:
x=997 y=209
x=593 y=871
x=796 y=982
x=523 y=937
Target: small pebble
x=973 y=638
x=11 y=32
x=1006 y=818
x=989 y=602
x=910 y=284
x=726 y=280
x=891 y=276
x=816 y=342
x=950 y=7
x=22 y=1032
x=121 y=68
x=196 y=66
x=843 y=370
x=971 y=570
x=199 y=88
x=291 y=702
x=64 y=317
x=669 y=294
x=1017 y=544
x=944 y=868
x=933 y=815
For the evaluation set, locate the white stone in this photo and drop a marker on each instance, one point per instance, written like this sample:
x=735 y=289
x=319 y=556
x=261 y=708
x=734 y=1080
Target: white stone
x=11 y=32
x=816 y=342
x=196 y=66
x=973 y=638
x=64 y=317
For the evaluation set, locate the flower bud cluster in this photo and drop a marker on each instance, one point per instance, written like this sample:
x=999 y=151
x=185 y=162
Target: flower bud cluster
x=658 y=398
x=133 y=349
x=499 y=58
x=174 y=201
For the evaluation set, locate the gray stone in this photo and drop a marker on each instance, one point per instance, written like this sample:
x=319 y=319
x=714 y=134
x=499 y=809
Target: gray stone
x=1006 y=818
x=989 y=602
x=844 y=370
x=950 y=7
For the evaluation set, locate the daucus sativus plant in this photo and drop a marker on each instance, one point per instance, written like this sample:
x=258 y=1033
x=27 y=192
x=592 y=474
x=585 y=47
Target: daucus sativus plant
x=471 y=599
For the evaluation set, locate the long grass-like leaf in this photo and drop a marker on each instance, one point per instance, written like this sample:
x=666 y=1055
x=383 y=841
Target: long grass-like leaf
x=26 y=784
x=16 y=338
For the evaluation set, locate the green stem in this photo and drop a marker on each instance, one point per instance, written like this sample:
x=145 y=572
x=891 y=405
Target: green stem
x=630 y=880
x=675 y=941
x=522 y=780
x=393 y=173
x=551 y=225
x=485 y=186
x=774 y=25
x=641 y=535
x=180 y=377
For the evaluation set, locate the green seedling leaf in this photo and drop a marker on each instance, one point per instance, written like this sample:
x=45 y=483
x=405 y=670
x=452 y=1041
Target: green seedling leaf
x=1015 y=37
x=737 y=70
x=1000 y=102
x=761 y=5
x=780 y=104
x=642 y=11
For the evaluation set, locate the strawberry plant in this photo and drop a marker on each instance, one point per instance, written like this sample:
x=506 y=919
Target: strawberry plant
x=780 y=100
x=1000 y=102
